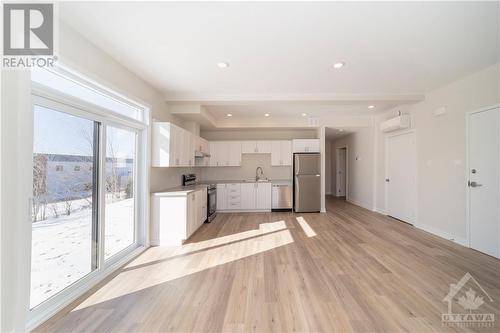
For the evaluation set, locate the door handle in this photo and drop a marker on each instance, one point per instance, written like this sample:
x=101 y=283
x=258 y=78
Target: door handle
x=474 y=184
x=387 y=180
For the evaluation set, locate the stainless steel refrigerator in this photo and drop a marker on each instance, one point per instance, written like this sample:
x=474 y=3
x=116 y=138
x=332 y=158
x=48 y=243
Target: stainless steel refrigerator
x=307 y=182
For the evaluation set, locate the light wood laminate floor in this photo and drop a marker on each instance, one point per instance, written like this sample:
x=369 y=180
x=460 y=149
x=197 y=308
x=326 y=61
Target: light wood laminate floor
x=347 y=270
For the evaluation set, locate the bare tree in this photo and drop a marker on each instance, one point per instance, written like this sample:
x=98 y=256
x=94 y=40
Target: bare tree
x=39 y=185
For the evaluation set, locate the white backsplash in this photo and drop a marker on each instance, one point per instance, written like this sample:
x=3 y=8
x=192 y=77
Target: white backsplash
x=249 y=163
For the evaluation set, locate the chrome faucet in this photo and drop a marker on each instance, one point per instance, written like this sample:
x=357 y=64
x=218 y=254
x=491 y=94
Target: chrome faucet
x=257 y=177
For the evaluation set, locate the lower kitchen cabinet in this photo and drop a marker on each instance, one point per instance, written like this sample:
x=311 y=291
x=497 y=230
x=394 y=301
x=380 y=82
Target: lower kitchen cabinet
x=176 y=216
x=244 y=197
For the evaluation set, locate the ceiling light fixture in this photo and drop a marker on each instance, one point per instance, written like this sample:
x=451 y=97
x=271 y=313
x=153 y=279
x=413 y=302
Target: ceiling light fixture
x=229 y=115
x=304 y=114
x=338 y=65
x=371 y=106
x=341 y=130
x=223 y=65
x=266 y=115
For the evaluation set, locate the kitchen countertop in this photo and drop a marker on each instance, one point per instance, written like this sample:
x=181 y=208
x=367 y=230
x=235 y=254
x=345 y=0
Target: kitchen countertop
x=180 y=190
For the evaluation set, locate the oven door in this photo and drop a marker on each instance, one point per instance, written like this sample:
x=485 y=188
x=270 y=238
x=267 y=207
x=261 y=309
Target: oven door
x=212 y=203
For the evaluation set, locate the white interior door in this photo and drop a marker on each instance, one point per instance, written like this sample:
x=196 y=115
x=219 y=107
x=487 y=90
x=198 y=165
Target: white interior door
x=484 y=166
x=401 y=177
x=341 y=172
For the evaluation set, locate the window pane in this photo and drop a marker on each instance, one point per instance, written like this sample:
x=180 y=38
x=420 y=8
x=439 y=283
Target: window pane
x=120 y=183
x=72 y=88
x=63 y=210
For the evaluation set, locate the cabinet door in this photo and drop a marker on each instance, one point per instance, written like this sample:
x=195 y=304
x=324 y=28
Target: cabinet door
x=264 y=147
x=190 y=148
x=163 y=147
x=222 y=153
x=263 y=197
x=248 y=195
x=248 y=147
x=312 y=145
x=221 y=197
x=286 y=152
x=235 y=153
x=191 y=214
x=276 y=159
x=213 y=154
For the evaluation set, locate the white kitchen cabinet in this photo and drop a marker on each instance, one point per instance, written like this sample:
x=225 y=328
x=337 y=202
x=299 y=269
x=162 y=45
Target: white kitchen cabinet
x=248 y=196
x=234 y=154
x=305 y=145
x=201 y=207
x=177 y=215
x=248 y=147
x=264 y=147
x=213 y=154
x=244 y=197
x=225 y=153
x=233 y=194
x=256 y=147
x=221 y=197
x=263 y=196
x=172 y=146
x=281 y=153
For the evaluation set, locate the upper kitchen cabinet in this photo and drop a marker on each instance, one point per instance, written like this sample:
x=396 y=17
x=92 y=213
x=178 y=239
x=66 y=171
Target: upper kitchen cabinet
x=225 y=153
x=256 y=147
x=172 y=146
x=281 y=153
x=305 y=146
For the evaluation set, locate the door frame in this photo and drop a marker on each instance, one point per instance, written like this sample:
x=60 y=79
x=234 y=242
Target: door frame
x=346 y=170
x=413 y=132
x=468 y=114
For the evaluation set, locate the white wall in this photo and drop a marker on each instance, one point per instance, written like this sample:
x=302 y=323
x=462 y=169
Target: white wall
x=360 y=165
x=441 y=144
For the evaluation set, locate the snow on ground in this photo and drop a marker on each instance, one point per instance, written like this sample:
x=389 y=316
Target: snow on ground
x=61 y=251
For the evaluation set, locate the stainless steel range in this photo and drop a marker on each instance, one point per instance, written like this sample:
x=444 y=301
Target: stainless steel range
x=190 y=180
x=211 y=202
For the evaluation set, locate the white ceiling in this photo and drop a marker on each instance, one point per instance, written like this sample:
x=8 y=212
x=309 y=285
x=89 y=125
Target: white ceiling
x=288 y=48
x=281 y=53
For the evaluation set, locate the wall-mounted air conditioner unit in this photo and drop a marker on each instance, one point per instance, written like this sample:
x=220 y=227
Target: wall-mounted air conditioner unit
x=397 y=123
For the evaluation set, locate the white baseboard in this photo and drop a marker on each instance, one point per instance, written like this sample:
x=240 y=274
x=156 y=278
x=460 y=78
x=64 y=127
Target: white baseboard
x=443 y=234
x=359 y=203
x=380 y=210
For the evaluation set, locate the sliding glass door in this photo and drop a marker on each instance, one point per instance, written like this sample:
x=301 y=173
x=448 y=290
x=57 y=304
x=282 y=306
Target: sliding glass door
x=120 y=212
x=85 y=198
x=64 y=205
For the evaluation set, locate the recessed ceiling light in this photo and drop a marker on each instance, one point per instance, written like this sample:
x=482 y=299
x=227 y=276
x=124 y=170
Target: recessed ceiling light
x=223 y=65
x=338 y=65
x=304 y=114
x=371 y=106
x=229 y=115
x=266 y=114
x=341 y=130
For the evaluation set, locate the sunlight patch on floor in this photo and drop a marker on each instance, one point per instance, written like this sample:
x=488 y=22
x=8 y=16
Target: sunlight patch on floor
x=306 y=227
x=227 y=249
